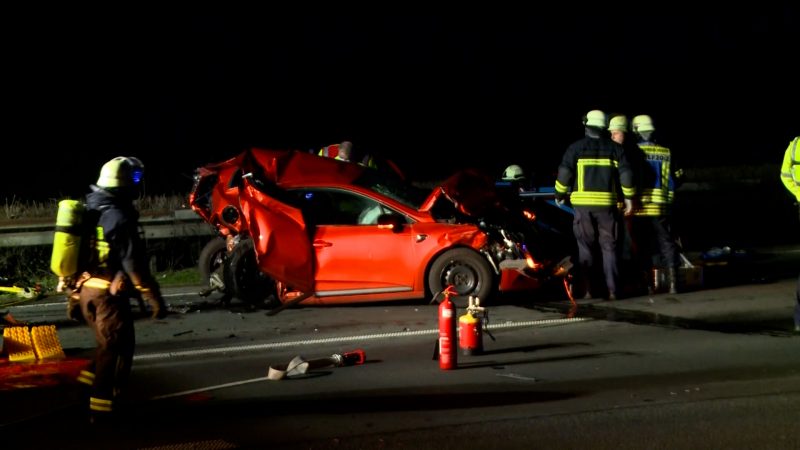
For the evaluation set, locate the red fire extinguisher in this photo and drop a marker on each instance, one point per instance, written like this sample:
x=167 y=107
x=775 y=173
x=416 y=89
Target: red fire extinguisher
x=470 y=333
x=448 y=357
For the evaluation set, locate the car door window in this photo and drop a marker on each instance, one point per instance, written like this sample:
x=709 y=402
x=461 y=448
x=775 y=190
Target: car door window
x=334 y=207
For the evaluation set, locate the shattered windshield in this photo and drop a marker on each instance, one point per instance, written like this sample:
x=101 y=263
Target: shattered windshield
x=393 y=187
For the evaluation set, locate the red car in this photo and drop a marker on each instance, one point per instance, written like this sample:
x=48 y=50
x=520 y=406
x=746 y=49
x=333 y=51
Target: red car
x=297 y=225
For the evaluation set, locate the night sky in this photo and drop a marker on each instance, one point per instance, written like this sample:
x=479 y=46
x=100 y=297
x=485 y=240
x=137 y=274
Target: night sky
x=424 y=89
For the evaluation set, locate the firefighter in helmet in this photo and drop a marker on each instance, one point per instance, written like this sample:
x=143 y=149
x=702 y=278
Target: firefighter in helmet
x=790 y=176
x=344 y=152
x=514 y=177
x=513 y=173
x=117 y=272
x=618 y=127
x=652 y=223
x=592 y=171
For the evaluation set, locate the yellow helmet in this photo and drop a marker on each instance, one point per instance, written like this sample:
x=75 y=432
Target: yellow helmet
x=643 y=124
x=595 y=118
x=513 y=173
x=618 y=123
x=121 y=171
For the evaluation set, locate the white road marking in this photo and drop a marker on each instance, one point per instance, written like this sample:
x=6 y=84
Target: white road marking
x=516 y=376
x=357 y=338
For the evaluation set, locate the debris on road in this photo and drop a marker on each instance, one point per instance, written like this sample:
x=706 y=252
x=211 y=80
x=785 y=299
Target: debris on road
x=299 y=365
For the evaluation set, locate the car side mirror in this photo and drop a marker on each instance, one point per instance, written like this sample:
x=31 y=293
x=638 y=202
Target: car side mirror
x=392 y=222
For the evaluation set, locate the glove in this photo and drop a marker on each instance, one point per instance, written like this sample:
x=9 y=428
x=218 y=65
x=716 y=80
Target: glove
x=150 y=292
x=74 y=308
x=628 y=209
x=157 y=307
x=560 y=202
x=152 y=295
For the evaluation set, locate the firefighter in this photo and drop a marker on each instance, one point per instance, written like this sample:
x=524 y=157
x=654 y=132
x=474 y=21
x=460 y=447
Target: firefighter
x=344 y=152
x=340 y=152
x=117 y=272
x=790 y=175
x=595 y=169
x=513 y=178
x=652 y=224
x=513 y=173
x=332 y=151
x=618 y=127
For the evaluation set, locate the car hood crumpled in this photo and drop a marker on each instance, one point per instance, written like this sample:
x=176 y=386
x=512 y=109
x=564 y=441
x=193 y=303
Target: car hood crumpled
x=472 y=192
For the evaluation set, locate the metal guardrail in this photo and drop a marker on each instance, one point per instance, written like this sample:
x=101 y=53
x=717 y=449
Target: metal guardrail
x=182 y=223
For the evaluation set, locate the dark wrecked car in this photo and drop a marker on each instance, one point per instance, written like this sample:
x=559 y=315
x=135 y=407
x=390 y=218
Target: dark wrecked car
x=293 y=225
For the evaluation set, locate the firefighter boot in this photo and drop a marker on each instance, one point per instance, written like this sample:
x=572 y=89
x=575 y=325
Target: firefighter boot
x=673 y=280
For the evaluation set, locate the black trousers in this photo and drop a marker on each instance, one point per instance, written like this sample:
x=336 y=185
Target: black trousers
x=595 y=227
x=653 y=236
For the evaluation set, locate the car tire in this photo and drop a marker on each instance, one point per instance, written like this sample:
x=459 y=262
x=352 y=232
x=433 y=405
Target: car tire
x=212 y=260
x=466 y=270
x=247 y=282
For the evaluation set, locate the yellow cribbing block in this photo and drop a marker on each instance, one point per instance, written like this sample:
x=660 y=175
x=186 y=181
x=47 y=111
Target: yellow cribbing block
x=46 y=343
x=17 y=344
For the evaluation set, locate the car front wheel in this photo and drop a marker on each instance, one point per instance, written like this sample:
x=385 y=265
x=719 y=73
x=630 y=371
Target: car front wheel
x=466 y=270
x=245 y=279
x=211 y=262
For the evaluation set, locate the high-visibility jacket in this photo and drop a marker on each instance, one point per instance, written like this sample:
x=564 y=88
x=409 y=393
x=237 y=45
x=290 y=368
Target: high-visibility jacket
x=790 y=169
x=119 y=247
x=657 y=180
x=595 y=170
x=331 y=151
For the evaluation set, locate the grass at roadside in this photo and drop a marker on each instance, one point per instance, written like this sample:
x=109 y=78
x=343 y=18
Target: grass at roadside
x=169 y=278
x=30 y=266
x=180 y=277
x=15 y=209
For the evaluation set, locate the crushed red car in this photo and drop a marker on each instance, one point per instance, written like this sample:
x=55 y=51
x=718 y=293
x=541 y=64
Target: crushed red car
x=293 y=224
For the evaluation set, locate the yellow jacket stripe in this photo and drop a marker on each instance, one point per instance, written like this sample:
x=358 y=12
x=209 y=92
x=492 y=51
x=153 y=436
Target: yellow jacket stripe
x=97 y=283
x=100 y=404
x=589 y=198
x=582 y=197
x=86 y=377
x=656 y=200
x=593 y=173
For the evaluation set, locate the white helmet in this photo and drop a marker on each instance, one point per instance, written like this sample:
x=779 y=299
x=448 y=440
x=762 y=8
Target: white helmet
x=121 y=171
x=643 y=124
x=618 y=123
x=595 y=118
x=513 y=173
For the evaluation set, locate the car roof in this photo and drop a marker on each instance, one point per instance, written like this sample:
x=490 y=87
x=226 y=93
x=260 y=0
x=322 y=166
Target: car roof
x=293 y=168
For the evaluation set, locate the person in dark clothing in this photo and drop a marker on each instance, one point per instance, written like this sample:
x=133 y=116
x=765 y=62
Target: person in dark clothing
x=652 y=220
x=632 y=253
x=618 y=128
x=591 y=174
x=116 y=272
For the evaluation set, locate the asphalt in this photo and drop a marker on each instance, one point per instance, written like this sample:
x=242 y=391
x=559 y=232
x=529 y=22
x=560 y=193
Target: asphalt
x=753 y=294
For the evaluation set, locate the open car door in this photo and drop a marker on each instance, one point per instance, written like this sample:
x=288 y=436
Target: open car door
x=283 y=248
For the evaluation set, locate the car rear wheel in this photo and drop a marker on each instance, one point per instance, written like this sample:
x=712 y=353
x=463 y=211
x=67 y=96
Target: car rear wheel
x=246 y=281
x=211 y=261
x=466 y=270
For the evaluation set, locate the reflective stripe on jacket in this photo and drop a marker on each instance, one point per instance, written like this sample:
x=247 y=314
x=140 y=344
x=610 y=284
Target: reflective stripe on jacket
x=330 y=151
x=595 y=169
x=658 y=185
